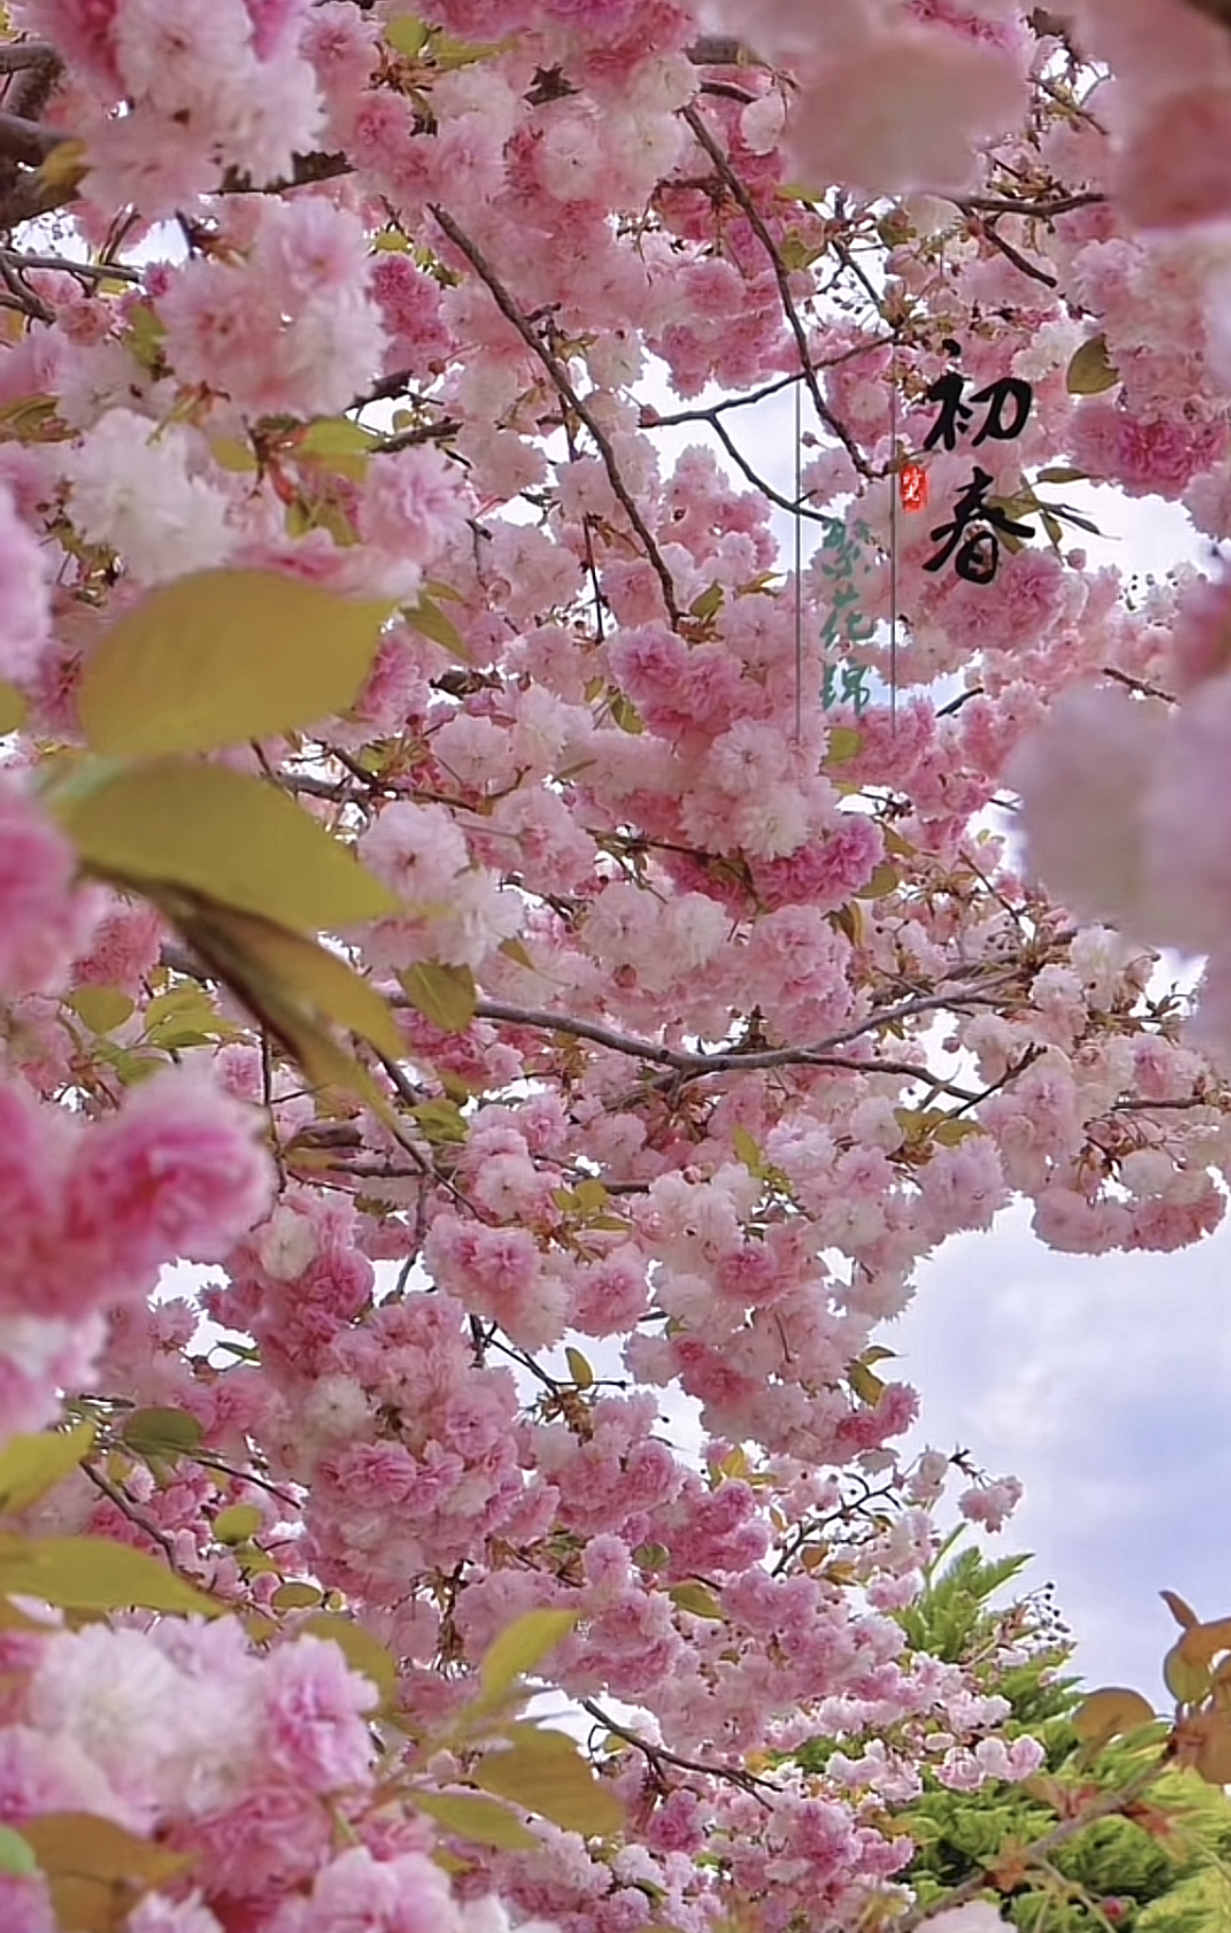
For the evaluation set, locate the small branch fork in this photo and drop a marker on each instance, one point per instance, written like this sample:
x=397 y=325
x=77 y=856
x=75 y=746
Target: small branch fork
x=756 y=221
x=560 y=378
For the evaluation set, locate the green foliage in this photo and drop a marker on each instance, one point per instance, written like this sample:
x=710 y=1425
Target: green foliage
x=1169 y=1874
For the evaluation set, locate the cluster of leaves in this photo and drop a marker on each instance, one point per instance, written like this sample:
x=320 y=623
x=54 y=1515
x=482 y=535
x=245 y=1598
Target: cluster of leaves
x=1163 y=1865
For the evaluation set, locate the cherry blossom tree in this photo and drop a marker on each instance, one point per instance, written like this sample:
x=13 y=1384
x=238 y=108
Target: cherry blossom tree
x=534 y=910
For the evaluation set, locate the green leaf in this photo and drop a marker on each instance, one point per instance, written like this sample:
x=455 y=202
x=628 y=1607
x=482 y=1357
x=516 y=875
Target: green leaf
x=95 y=1574
x=1091 y=370
x=430 y=621
x=336 y=436
x=283 y=977
x=93 y=1866
x=32 y=1465
x=294 y=1596
x=237 y=1523
x=518 y=1649
x=698 y=1600
x=843 y=743
x=471 y=1816
x=652 y=1557
x=303 y=974
x=442 y=1122
x=579 y=1369
x=407 y=34
x=363 y=1653
x=12 y=708
x=884 y=880
x=551 y=1778
x=445 y=995
x=1061 y=473
x=223 y=656
x=173 y=824
x=515 y=951
x=17 y=1855
x=949 y=1133
x=161 y=1433
x=103 y=1009
x=232 y=455
x=708 y=604
x=590 y=1196
x=865 y=1383
x=1111 y=1712
x=747 y=1150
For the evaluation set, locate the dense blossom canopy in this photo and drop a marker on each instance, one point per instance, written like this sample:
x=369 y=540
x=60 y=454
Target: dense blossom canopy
x=533 y=906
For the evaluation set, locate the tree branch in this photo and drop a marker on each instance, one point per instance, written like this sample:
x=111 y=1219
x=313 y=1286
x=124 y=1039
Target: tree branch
x=560 y=377
x=757 y=224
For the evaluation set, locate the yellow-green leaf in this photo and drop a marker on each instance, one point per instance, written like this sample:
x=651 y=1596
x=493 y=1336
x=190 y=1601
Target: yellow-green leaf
x=515 y=951
x=865 y=1383
x=949 y=1133
x=294 y=1596
x=1186 y=1678
x=430 y=621
x=66 y=166
x=884 y=880
x=441 y=1122
x=522 y=1646
x=1091 y=370
x=336 y=436
x=471 y=1816
x=296 y=989
x=96 y=1870
x=237 y=1523
x=1110 y=1713
x=590 y=1195
x=17 y=1855
x=708 y=604
x=12 y=708
x=363 y=1653
x=95 y=1574
x=445 y=995
x=223 y=656
x=698 y=1600
x=230 y=454
x=747 y=1150
x=579 y=1369
x=161 y=1432
x=103 y=1009
x=407 y=34
x=312 y=978
x=173 y=823
x=554 y=1781
x=32 y=1465
x=842 y=743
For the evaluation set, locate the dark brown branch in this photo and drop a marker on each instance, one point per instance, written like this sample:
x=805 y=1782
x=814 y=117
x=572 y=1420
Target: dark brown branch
x=560 y=377
x=757 y=223
x=992 y=234
x=27 y=141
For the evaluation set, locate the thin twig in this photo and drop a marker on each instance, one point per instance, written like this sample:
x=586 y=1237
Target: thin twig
x=757 y=223
x=129 y=1509
x=560 y=377
x=734 y=1775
